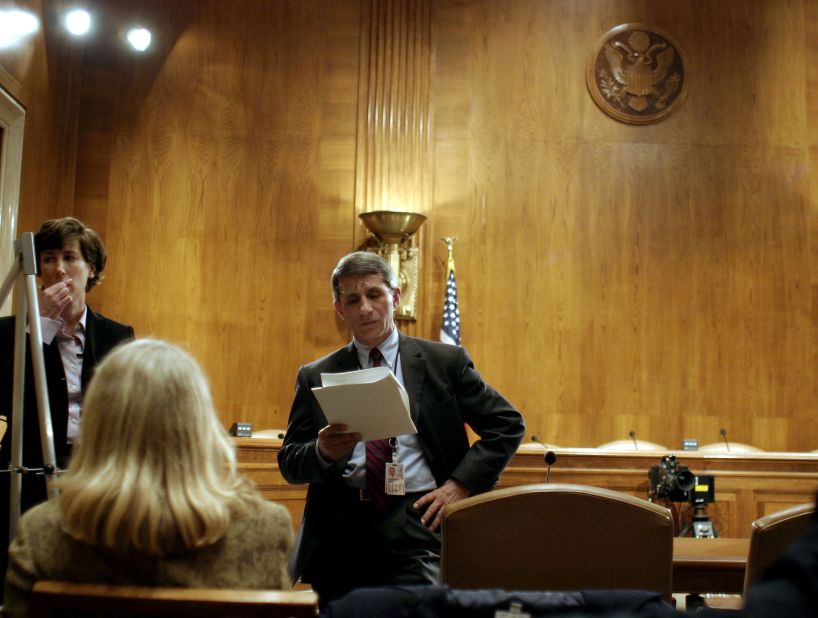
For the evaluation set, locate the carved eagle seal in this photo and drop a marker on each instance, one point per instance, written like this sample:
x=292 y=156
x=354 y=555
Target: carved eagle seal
x=636 y=74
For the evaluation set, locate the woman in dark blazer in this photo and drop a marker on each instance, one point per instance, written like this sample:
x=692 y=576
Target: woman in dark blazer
x=71 y=258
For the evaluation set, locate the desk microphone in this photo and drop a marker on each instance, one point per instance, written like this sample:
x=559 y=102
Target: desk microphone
x=723 y=433
x=632 y=434
x=550 y=459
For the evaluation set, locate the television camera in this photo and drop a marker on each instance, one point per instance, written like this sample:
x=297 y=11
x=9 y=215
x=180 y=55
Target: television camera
x=671 y=481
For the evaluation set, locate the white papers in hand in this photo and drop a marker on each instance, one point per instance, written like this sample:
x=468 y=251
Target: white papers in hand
x=370 y=402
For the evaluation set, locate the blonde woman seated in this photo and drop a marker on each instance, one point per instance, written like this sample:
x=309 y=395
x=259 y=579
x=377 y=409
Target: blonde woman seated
x=152 y=496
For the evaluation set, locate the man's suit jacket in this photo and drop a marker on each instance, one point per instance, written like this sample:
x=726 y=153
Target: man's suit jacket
x=101 y=336
x=445 y=391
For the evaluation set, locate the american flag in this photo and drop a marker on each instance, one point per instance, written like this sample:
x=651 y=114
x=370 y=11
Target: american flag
x=450 y=329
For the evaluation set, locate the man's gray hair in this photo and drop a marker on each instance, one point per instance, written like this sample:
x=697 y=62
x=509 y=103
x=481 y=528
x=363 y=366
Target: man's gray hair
x=360 y=264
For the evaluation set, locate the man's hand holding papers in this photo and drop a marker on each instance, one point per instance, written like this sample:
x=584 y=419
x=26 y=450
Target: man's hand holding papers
x=370 y=401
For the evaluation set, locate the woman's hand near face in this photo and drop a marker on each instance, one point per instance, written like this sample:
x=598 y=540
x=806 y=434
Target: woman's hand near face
x=55 y=298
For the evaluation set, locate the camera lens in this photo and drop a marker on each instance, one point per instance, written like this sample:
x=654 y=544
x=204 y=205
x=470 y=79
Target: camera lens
x=685 y=480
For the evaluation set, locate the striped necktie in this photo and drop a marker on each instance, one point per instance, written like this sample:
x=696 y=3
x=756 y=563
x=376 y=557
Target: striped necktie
x=378 y=453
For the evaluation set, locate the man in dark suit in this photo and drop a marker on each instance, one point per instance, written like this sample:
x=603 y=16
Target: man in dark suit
x=353 y=535
x=70 y=258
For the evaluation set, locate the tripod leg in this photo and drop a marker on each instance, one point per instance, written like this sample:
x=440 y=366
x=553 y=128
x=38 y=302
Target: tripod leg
x=15 y=482
x=38 y=363
x=28 y=306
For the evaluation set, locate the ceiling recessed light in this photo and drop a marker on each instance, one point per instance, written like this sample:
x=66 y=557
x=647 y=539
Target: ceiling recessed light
x=77 y=22
x=139 y=38
x=15 y=25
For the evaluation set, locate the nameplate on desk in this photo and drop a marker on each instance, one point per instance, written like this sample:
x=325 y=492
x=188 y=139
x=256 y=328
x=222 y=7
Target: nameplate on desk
x=241 y=430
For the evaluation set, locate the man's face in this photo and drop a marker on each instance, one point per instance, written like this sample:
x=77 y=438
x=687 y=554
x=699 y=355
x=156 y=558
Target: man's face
x=368 y=306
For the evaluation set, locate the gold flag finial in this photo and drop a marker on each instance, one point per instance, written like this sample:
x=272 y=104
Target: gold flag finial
x=449 y=240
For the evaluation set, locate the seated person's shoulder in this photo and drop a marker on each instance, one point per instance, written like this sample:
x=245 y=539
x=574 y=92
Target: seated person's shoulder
x=43 y=523
x=270 y=515
x=267 y=525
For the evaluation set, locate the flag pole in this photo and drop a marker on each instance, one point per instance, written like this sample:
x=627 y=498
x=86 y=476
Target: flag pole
x=450 y=325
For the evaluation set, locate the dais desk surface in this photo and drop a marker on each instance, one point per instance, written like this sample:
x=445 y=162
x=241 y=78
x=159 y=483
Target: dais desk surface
x=748 y=485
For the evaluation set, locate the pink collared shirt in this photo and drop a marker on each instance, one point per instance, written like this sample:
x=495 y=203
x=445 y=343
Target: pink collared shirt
x=72 y=349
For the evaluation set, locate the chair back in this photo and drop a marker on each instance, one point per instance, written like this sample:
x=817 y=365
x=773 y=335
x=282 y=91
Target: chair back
x=557 y=537
x=771 y=535
x=57 y=598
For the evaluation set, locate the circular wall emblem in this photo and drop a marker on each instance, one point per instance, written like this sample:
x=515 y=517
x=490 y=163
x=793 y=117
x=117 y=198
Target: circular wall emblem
x=636 y=74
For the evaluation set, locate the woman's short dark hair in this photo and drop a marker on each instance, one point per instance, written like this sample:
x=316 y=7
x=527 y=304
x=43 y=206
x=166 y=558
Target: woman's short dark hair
x=54 y=233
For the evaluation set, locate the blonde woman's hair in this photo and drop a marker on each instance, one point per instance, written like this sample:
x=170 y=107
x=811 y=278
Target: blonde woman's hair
x=154 y=471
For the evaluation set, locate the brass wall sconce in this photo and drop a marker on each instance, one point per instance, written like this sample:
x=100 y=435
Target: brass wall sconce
x=394 y=231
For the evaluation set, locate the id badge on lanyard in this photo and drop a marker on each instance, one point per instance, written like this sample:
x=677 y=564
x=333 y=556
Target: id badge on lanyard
x=395 y=473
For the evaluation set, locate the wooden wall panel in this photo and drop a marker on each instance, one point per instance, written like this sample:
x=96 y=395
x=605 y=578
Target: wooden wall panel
x=659 y=279
x=656 y=279
x=228 y=186
x=394 y=125
x=42 y=74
